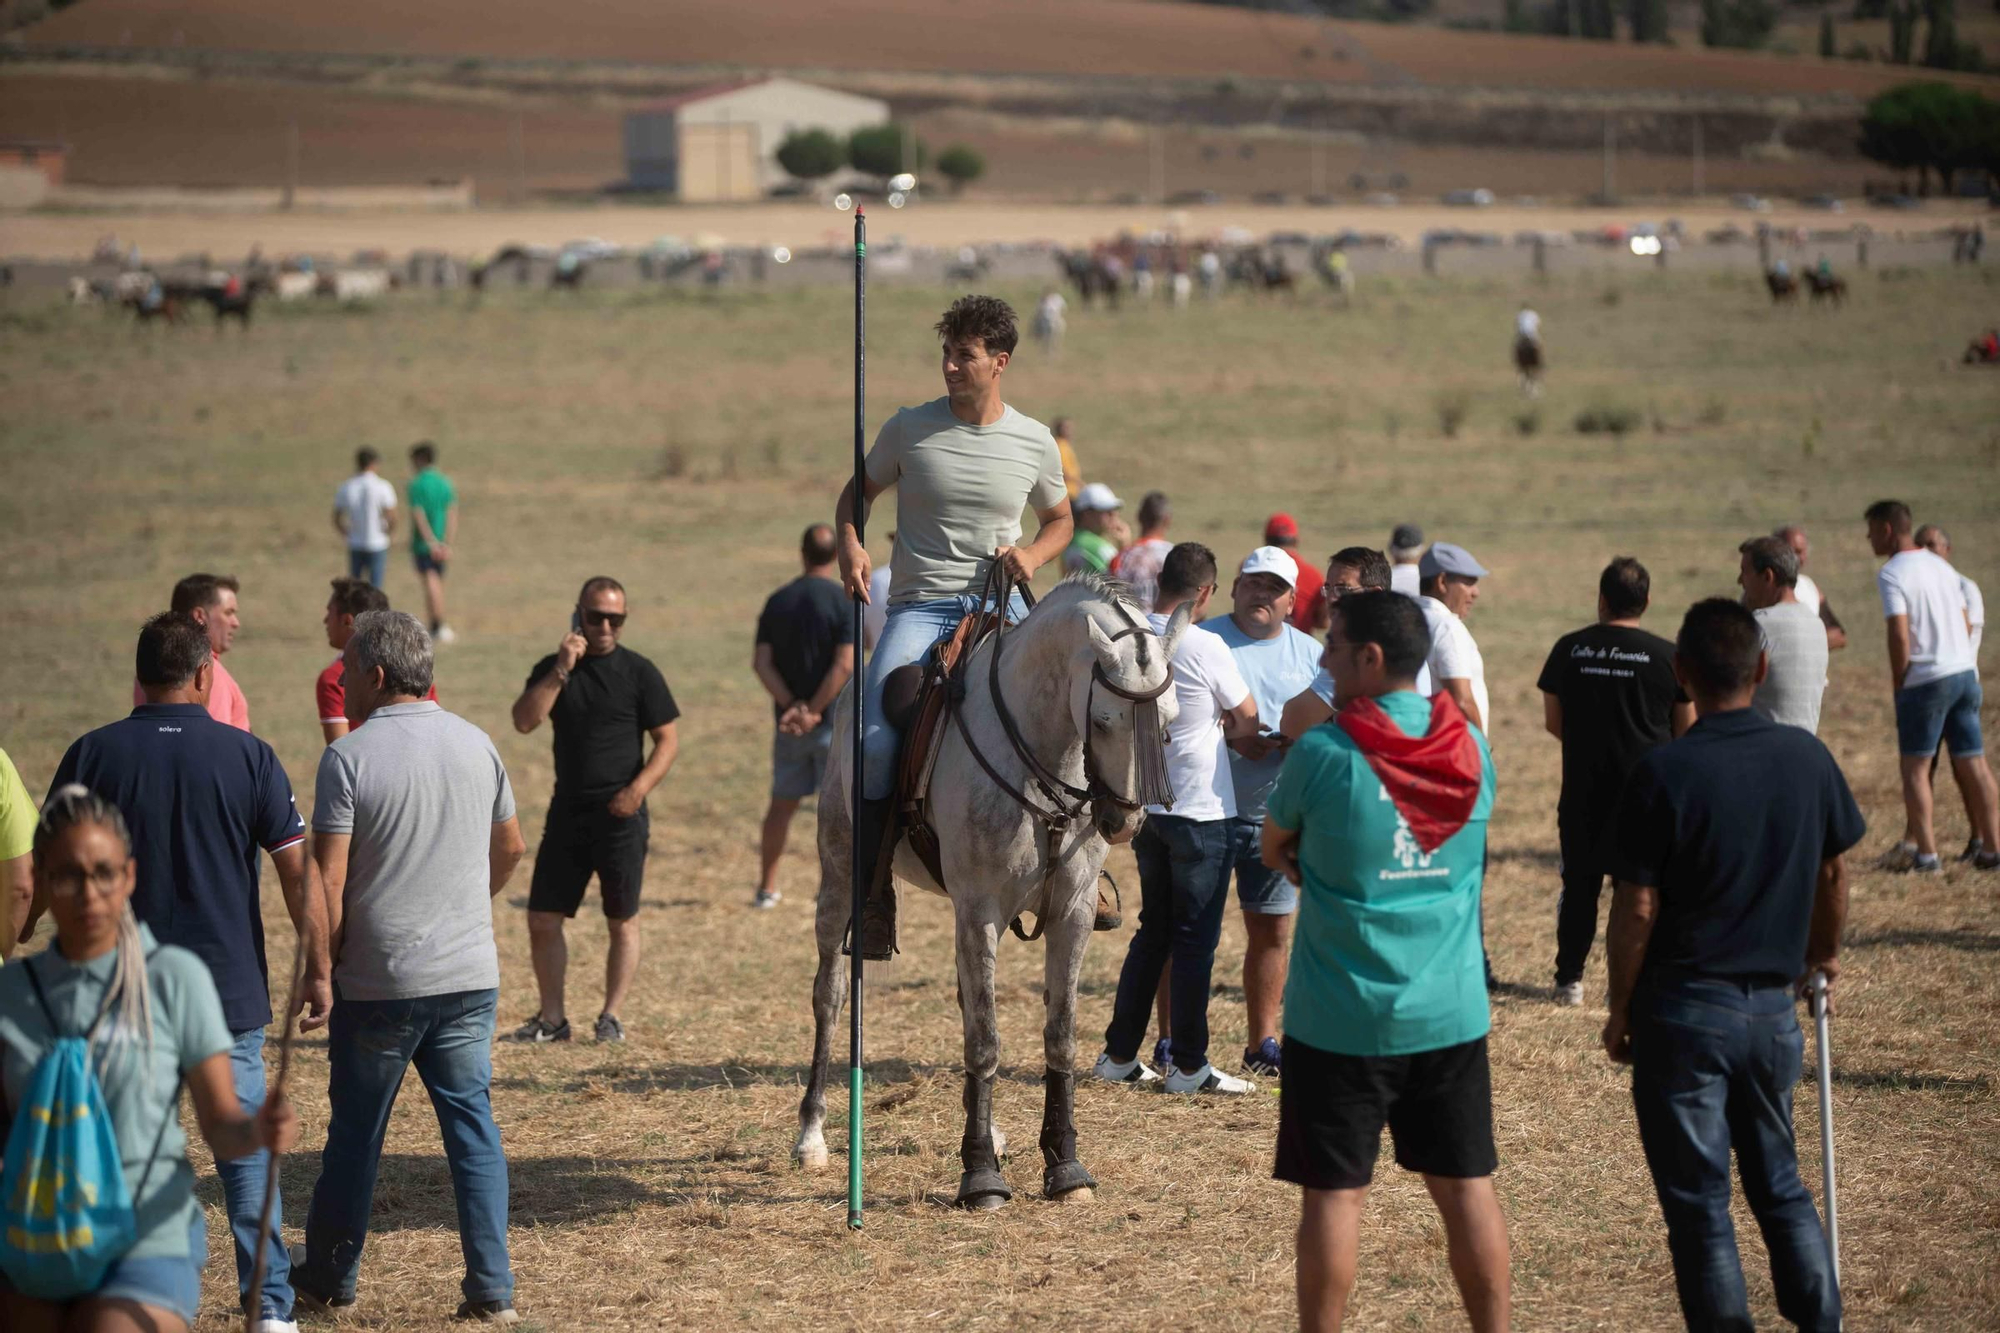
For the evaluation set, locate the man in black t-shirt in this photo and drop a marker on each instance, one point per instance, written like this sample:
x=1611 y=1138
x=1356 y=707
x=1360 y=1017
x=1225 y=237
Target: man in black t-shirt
x=1729 y=891
x=604 y=700
x=804 y=656
x=1609 y=695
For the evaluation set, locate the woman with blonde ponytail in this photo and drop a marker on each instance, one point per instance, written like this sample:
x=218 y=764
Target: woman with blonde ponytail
x=155 y=1022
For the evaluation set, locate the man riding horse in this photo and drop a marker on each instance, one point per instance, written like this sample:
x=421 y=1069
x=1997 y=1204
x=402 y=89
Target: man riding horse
x=964 y=466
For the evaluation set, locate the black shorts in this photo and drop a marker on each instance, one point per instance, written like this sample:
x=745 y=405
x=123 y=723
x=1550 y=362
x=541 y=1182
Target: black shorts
x=577 y=844
x=1438 y=1106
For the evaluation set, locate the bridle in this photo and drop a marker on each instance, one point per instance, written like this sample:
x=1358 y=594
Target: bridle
x=1062 y=803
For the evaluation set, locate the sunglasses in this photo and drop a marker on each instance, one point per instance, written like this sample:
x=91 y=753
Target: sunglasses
x=615 y=619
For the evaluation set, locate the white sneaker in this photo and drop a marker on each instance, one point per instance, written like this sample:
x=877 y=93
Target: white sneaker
x=444 y=635
x=1570 y=996
x=1898 y=857
x=1133 y=1071
x=274 y=1326
x=1207 y=1079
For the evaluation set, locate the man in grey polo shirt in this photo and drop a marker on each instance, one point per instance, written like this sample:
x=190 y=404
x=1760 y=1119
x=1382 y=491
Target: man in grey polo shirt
x=1794 y=636
x=415 y=833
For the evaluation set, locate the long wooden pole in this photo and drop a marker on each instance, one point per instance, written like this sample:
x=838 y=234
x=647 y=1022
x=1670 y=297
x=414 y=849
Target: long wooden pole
x=863 y=858
x=253 y=1310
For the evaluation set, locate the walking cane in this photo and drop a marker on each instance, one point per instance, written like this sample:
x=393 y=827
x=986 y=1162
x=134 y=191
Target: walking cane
x=1819 y=998
x=860 y=886
x=252 y=1311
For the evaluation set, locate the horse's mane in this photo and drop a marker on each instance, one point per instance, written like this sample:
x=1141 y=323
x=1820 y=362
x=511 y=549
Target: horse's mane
x=1101 y=585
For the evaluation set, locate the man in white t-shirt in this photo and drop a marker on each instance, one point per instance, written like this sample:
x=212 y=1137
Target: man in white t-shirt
x=1184 y=854
x=364 y=512
x=1807 y=591
x=1936 y=681
x=1406 y=552
x=1937 y=541
x=1450 y=589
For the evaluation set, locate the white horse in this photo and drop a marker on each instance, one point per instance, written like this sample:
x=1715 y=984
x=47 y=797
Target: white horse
x=1086 y=686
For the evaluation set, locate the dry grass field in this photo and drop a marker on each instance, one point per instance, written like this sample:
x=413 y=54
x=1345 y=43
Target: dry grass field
x=682 y=443
x=1084 y=37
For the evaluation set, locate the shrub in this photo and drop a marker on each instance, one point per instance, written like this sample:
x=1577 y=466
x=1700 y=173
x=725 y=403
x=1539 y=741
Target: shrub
x=1528 y=421
x=1452 y=406
x=1616 y=419
x=1713 y=412
x=878 y=150
x=961 y=166
x=811 y=154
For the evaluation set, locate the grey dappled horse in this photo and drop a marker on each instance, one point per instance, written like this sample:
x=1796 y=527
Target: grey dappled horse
x=1072 y=669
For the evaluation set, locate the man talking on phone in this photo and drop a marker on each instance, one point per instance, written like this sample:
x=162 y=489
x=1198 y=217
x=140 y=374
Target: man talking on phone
x=603 y=700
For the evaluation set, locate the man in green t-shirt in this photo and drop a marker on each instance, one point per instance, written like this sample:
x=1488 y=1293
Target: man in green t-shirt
x=1100 y=533
x=1380 y=817
x=18 y=816
x=433 y=531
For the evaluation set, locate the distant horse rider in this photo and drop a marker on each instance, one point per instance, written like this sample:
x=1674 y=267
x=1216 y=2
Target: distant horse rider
x=1528 y=350
x=964 y=466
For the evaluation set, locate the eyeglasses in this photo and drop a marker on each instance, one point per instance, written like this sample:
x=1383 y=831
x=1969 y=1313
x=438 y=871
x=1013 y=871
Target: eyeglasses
x=72 y=881
x=1336 y=591
x=615 y=619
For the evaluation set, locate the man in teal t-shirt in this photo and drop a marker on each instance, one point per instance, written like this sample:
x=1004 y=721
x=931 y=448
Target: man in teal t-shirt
x=1380 y=817
x=433 y=530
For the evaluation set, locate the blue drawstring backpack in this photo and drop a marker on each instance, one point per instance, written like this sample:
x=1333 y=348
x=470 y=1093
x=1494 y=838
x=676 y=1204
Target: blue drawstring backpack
x=66 y=1215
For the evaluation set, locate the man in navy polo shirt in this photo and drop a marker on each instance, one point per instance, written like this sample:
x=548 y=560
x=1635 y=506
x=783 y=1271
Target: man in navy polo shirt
x=1729 y=892
x=200 y=798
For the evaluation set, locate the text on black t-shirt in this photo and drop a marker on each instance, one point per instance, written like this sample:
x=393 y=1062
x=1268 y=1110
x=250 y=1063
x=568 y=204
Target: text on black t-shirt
x=1617 y=689
x=601 y=719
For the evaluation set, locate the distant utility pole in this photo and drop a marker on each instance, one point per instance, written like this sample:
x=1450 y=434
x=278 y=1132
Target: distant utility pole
x=1156 y=149
x=1699 y=183
x=291 y=164
x=1610 y=159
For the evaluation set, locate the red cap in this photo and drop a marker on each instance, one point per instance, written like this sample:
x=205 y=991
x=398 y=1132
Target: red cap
x=1281 y=526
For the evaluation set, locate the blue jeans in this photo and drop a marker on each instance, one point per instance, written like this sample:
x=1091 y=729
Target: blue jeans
x=1713 y=1067
x=371 y=1044
x=907 y=635
x=370 y=565
x=1184 y=869
x=1945 y=709
x=243 y=1190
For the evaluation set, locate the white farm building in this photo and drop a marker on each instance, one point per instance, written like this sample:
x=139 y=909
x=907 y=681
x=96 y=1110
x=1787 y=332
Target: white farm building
x=721 y=143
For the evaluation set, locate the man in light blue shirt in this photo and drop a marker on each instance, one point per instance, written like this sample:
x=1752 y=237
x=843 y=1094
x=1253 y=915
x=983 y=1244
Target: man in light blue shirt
x=1276 y=661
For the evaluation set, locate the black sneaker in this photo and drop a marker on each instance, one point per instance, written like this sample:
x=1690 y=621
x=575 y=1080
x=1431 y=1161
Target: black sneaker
x=1986 y=861
x=488 y=1312
x=1973 y=847
x=608 y=1028
x=535 y=1031
x=1264 y=1058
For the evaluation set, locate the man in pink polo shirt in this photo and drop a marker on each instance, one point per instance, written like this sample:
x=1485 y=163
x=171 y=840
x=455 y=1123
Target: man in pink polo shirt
x=211 y=600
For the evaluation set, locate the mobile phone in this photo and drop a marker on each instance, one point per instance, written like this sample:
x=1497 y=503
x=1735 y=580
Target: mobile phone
x=575 y=621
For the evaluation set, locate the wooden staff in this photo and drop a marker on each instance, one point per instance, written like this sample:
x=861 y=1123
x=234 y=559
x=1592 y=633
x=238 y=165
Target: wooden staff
x=275 y=1092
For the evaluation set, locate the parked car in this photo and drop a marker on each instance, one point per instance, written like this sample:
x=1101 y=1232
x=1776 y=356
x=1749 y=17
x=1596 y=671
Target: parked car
x=1750 y=203
x=1194 y=197
x=1469 y=198
x=1825 y=203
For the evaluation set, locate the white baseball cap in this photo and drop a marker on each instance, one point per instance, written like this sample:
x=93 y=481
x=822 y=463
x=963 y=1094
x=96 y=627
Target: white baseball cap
x=1272 y=560
x=1096 y=496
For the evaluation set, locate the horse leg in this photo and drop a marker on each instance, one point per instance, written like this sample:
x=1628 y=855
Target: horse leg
x=981 y=1185
x=829 y=994
x=1063 y=1176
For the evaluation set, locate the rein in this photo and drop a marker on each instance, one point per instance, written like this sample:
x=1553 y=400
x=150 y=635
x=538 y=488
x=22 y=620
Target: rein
x=1061 y=803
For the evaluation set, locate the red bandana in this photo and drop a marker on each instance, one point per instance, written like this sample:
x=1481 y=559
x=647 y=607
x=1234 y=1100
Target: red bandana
x=1432 y=778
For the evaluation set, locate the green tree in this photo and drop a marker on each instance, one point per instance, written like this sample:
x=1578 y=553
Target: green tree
x=1828 y=47
x=1649 y=20
x=879 y=150
x=1902 y=31
x=1742 y=24
x=1925 y=127
x=961 y=166
x=811 y=154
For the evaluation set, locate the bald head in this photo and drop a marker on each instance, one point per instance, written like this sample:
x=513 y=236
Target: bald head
x=1934 y=539
x=1794 y=536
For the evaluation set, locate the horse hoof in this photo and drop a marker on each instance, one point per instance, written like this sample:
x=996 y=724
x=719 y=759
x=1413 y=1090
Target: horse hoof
x=1081 y=1194
x=811 y=1159
x=1067 y=1180
x=983 y=1190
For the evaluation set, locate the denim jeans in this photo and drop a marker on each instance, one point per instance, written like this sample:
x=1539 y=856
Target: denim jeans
x=907 y=635
x=243 y=1190
x=371 y=1044
x=370 y=565
x=1713 y=1067
x=1184 y=869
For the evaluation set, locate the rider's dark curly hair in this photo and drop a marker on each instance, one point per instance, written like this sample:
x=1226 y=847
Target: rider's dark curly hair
x=984 y=317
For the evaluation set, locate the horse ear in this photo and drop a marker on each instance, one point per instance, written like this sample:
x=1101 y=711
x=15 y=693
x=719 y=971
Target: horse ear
x=1177 y=623
x=1101 y=642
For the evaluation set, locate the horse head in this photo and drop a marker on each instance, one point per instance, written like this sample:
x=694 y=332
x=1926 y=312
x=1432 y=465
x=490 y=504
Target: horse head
x=1123 y=706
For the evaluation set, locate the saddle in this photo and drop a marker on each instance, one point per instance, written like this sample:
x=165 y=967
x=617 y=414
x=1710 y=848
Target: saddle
x=916 y=701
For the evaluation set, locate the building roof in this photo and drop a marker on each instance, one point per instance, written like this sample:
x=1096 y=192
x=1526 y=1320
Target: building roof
x=702 y=94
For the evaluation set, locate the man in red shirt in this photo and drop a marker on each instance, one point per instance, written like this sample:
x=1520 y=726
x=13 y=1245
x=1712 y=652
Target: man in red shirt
x=1309 y=607
x=351 y=598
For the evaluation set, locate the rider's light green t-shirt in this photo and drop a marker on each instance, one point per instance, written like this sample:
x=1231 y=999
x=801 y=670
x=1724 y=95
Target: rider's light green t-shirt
x=1386 y=959
x=430 y=491
x=960 y=491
